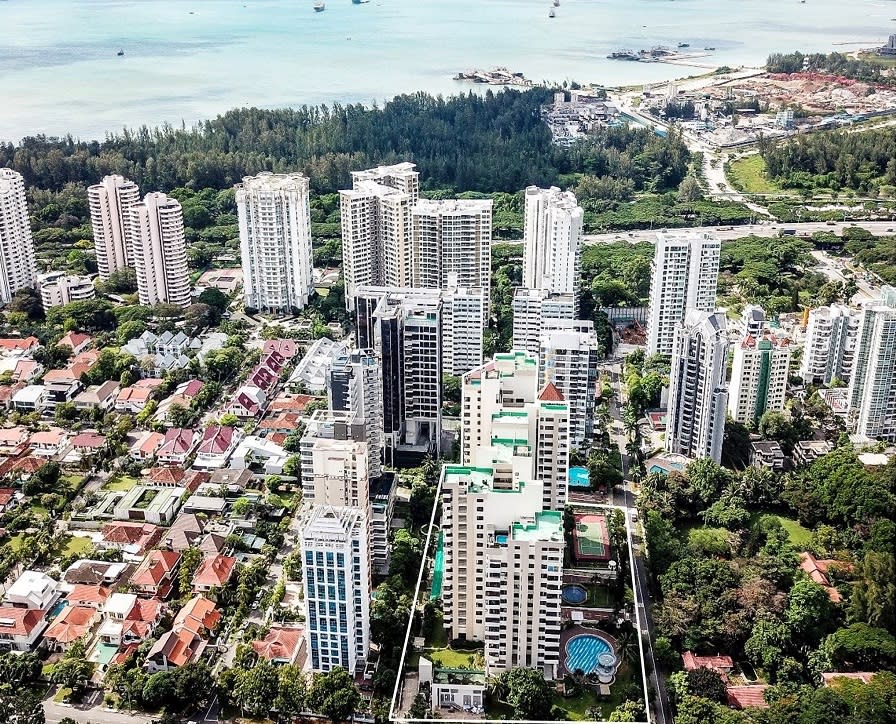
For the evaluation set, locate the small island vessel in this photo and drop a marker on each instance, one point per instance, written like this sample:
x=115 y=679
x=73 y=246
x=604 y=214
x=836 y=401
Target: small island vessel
x=120 y=52
x=360 y=2
x=320 y=6
x=684 y=45
x=552 y=14
x=556 y=3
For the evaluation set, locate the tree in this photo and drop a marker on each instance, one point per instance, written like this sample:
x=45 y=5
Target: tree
x=256 y=688
x=28 y=302
x=189 y=562
x=861 y=646
x=19 y=669
x=160 y=690
x=810 y=613
x=689 y=190
x=20 y=706
x=334 y=695
x=628 y=711
x=73 y=671
x=873 y=597
x=193 y=684
x=241 y=506
x=707 y=683
x=528 y=693
x=291 y=692
x=406 y=555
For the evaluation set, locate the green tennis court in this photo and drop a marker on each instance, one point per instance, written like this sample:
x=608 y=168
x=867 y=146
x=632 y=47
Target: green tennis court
x=591 y=540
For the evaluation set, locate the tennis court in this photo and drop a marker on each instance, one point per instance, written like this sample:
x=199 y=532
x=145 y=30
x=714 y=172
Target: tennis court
x=592 y=543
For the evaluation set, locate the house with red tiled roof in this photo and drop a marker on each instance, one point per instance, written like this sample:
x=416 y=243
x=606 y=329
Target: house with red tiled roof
x=20 y=628
x=11 y=439
x=72 y=623
x=20 y=468
x=132 y=538
x=9 y=499
x=75 y=341
x=286 y=349
x=217 y=445
x=747 y=697
x=291 y=403
x=87 y=595
x=284 y=422
x=177 y=445
x=22 y=370
x=166 y=477
x=132 y=399
x=720 y=664
x=87 y=443
x=188 y=637
x=817 y=570
x=155 y=574
x=147 y=445
x=214 y=571
x=247 y=403
x=550 y=393
x=7 y=392
x=15 y=344
x=48 y=443
x=282 y=645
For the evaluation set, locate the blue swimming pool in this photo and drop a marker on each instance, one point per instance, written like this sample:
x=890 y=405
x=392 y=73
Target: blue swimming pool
x=57 y=609
x=578 y=478
x=501 y=540
x=583 y=652
x=573 y=594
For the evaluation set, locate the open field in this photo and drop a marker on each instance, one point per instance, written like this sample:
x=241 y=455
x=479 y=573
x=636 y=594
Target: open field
x=120 y=483
x=747 y=174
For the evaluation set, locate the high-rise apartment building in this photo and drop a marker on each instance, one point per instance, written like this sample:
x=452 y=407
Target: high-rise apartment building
x=159 y=250
x=503 y=561
x=336 y=460
x=501 y=400
x=552 y=238
x=18 y=268
x=403 y=327
x=759 y=377
x=451 y=240
x=698 y=396
x=376 y=228
x=464 y=319
x=354 y=385
x=872 y=388
x=275 y=241
x=58 y=288
x=829 y=352
x=336 y=575
x=684 y=276
x=110 y=203
x=532 y=308
x=568 y=359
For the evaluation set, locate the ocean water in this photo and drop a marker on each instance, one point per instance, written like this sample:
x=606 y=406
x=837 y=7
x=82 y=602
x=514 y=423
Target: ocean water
x=186 y=60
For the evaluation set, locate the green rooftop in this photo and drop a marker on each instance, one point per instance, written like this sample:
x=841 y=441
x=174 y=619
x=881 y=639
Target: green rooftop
x=548 y=526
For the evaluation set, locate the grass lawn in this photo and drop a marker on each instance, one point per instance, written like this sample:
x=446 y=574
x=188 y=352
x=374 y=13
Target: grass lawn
x=438 y=639
x=748 y=175
x=120 y=483
x=600 y=596
x=450 y=659
x=39 y=510
x=576 y=707
x=77 y=544
x=15 y=541
x=799 y=536
x=60 y=696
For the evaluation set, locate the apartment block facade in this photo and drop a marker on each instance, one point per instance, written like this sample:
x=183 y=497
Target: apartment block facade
x=354 y=385
x=275 y=241
x=110 y=203
x=18 y=267
x=829 y=352
x=552 y=238
x=532 y=308
x=698 y=396
x=58 y=288
x=759 y=377
x=159 y=250
x=336 y=575
x=684 y=276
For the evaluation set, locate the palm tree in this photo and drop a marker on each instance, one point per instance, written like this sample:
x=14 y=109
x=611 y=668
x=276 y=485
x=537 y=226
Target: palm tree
x=627 y=645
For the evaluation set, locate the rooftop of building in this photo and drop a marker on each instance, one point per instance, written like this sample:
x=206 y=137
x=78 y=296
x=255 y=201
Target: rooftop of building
x=546 y=526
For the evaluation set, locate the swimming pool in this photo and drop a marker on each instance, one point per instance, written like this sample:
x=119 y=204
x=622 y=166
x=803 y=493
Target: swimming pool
x=584 y=651
x=573 y=594
x=501 y=540
x=57 y=609
x=578 y=478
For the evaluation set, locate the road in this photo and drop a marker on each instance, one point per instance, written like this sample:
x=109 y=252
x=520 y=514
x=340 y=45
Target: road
x=98 y=715
x=833 y=269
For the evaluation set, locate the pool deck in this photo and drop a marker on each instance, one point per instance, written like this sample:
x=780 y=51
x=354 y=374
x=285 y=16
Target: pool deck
x=574 y=631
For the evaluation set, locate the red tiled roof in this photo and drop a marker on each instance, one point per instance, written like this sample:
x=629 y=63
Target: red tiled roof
x=178 y=441
x=27 y=465
x=151 y=443
x=157 y=566
x=128 y=533
x=71 y=624
x=6 y=494
x=550 y=393
x=149 y=383
x=54 y=436
x=283 y=421
x=166 y=475
x=74 y=339
x=722 y=664
x=88 y=439
x=85 y=594
x=192 y=388
x=19 y=621
x=281 y=643
x=133 y=394
x=11 y=344
x=741 y=697
x=291 y=402
x=214 y=570
x=216 y=439
x=147 y=610
x=286 y=348
x=197 y=615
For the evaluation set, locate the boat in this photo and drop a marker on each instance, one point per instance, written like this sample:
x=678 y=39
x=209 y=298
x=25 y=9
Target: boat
x=360 y=2
x=552 y=14
x=556 y=3
x=624 y=55
x=320 y=6
x=710 y=47
x=120 y=52
x=684 y=45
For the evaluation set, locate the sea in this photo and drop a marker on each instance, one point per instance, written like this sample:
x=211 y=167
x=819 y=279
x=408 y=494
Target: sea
x=188 y=60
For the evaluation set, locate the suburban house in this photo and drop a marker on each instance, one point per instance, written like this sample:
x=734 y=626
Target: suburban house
x=76 y=341
x=183 y=533
x=152 y=504
x=93 y=573
x=155 y=575
x=20 y=628
x=248 y=402
x=817 y=569
x=131 y=538
x=183 y=395
x=750 y=696
x=767 y=454
x=31 y=398
x=723 y=665
x=176 y=446
x=9 y=499
x=34 y=590
x=88 y=443
x=284 y=422
x=11 y=439
x=214 y=571
x=217 y=445
x=72 y=623
x=132 y=399
x=282 y=645
x=97 y=396
x=90 y=596
x=147 y=445
x=188 y=637
x=128 y=619
x=48 y=443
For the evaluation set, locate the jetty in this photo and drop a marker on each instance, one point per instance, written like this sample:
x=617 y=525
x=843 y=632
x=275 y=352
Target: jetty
x=496 y=76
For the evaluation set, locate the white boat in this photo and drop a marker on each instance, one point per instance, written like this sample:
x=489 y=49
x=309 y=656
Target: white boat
x=320 y=6
x=556 y=3
x=552 y=14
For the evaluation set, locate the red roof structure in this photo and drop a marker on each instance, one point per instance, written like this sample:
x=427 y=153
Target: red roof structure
x=215 y=570
x=550 y=393
x=743 y=697
x=71 y=624
x=721 y=664
x=281 y=644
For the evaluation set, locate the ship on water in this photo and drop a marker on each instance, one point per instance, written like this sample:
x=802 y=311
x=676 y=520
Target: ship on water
x=320 y=6
x=624 y=55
